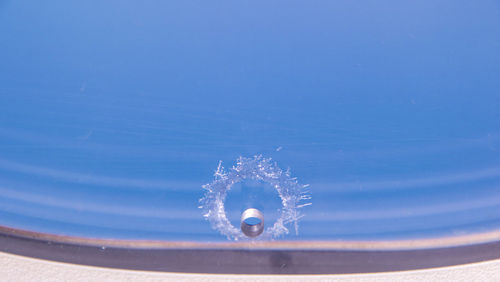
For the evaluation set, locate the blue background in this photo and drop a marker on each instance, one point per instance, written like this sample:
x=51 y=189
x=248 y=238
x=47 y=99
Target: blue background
x=114 y=113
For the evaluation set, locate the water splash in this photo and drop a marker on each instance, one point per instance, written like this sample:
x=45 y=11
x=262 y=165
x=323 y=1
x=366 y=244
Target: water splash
x=293 y=196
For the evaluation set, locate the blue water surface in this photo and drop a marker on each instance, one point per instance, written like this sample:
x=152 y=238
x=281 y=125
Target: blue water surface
x=113 y=114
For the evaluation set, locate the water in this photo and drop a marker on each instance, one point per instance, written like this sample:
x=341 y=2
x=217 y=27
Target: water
x=113 y=115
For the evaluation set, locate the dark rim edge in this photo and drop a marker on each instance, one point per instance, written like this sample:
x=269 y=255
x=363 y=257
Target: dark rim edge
x=248 y=258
